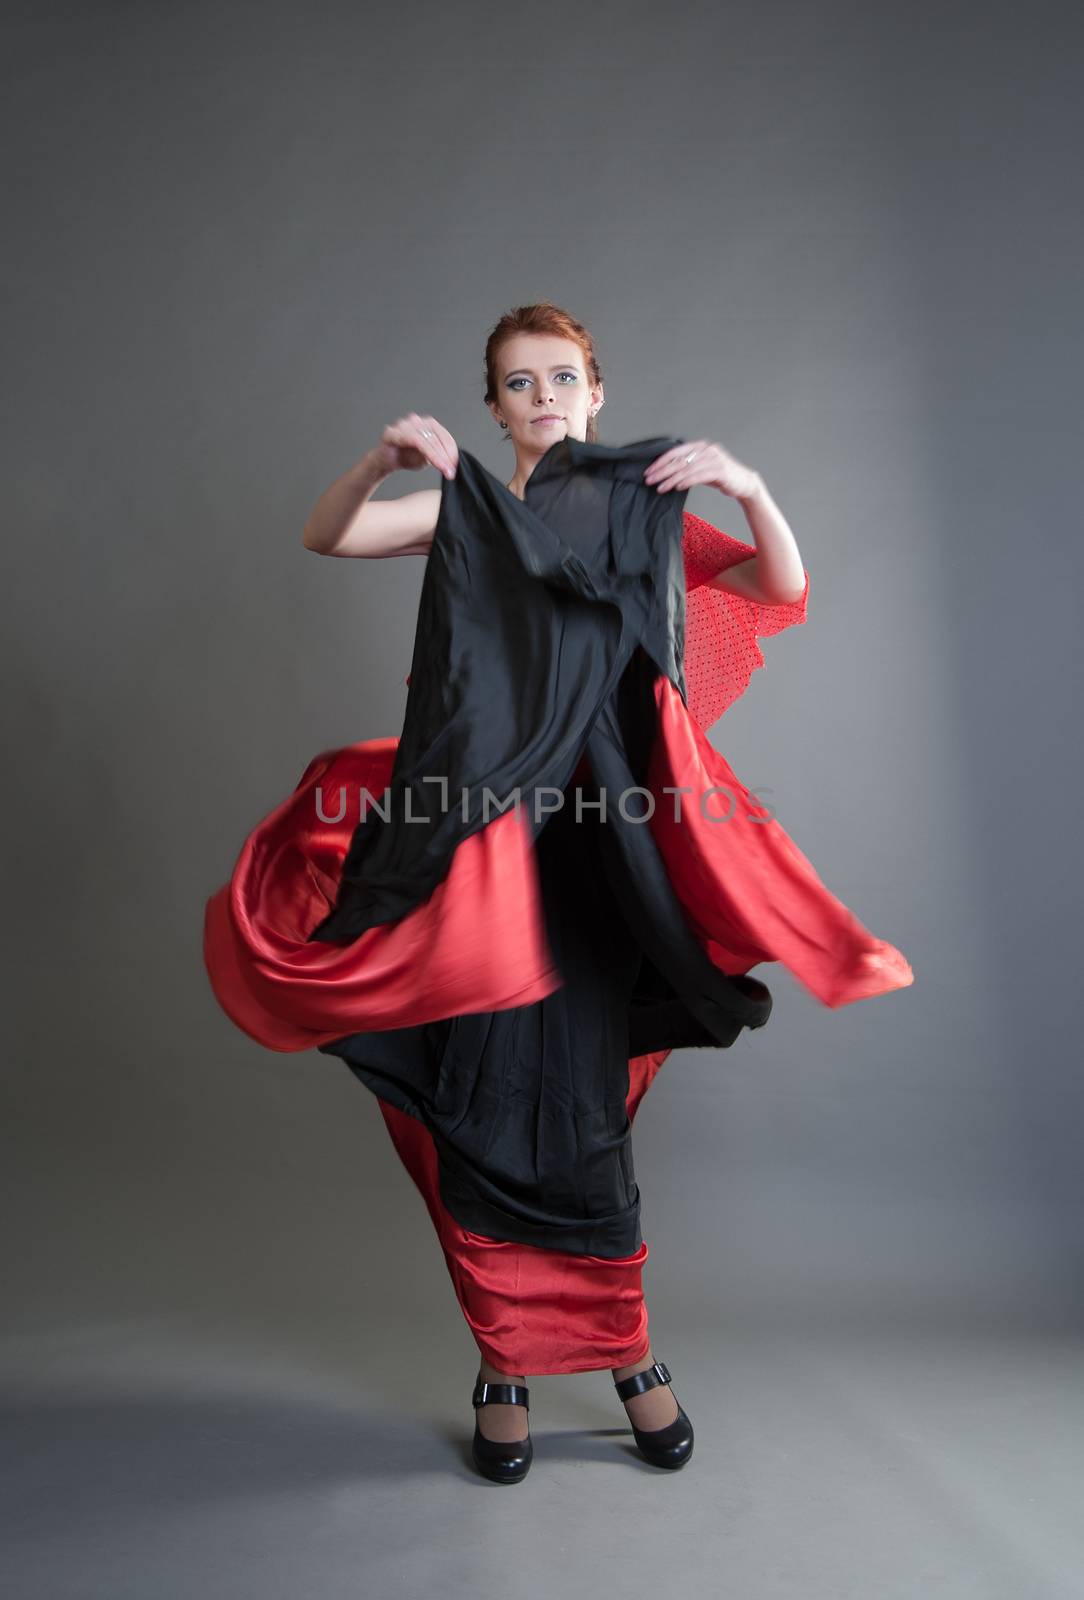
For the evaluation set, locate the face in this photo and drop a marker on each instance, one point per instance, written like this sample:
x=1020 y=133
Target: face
x=541 y=376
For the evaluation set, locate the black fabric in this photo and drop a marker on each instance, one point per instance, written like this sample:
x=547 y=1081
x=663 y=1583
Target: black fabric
x=541 y=628
x=528 y=614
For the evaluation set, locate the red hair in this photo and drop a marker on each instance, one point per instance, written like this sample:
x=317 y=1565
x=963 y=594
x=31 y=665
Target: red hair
x=542 y=317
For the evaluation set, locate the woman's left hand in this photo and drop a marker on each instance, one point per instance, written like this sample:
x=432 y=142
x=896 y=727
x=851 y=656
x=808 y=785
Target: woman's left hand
x=710 y=464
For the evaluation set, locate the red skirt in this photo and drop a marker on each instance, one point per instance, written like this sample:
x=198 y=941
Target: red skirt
x=533 y=1310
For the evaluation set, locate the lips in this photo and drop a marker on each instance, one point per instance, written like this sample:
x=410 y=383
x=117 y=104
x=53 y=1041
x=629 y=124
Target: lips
x=537 y=421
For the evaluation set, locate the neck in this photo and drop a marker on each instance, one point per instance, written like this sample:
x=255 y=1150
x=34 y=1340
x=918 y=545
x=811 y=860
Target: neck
x=524 y=469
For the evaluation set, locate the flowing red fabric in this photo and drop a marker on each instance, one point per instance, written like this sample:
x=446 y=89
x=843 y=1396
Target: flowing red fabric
x=478 y=944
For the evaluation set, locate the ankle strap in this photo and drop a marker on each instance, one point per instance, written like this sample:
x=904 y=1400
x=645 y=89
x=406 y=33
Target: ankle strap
x=508 y=1394
x=640 y=1381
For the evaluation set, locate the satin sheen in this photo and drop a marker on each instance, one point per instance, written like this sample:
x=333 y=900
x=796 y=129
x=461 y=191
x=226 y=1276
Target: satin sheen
x=508 y=988
x=533 y=1310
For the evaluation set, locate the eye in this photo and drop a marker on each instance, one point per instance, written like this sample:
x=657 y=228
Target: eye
x=513 y=383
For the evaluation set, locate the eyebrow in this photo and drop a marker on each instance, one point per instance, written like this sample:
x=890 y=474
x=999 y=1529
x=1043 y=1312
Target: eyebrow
x=526 y=371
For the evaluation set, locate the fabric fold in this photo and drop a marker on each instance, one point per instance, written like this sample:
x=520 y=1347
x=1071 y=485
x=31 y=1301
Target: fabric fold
x=435 y=911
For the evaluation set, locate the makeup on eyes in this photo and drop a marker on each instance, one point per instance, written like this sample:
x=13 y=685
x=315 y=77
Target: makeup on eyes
x=560 y=372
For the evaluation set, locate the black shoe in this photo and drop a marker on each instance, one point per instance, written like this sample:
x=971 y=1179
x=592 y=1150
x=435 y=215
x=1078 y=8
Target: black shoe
x=504 y=1462
x=663 y=1447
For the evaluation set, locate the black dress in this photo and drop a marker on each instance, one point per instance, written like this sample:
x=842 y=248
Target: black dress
x=542 y=626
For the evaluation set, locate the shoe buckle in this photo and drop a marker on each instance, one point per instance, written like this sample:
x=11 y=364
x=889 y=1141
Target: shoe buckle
x=481 y=1394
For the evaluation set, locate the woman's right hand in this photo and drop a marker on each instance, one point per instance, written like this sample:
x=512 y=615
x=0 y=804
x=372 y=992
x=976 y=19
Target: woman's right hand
x=415 y=442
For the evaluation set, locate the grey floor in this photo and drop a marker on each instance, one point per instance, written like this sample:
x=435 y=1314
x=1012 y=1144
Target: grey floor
x=154 y=1457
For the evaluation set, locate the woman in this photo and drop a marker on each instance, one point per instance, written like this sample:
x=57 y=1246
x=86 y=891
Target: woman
x=508 y=990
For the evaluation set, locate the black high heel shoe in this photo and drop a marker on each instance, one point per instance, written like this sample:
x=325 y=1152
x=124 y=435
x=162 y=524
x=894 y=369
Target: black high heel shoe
x=663 y=1447
x=505 y=1461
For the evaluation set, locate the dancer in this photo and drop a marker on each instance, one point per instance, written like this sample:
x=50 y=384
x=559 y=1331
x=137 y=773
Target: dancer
x=552 y=879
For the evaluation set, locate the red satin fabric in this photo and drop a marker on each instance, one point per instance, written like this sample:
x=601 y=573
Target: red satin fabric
x=478 y=944
x=533 y=1310
x=748 y=891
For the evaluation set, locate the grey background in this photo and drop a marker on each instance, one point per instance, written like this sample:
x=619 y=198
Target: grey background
x=846 y=242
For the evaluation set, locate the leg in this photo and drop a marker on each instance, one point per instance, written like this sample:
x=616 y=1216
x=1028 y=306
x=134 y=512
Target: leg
x=501 y=1423
x=656 y=1408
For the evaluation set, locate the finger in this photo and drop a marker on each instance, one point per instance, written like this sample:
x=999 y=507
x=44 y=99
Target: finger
x=697 y=465
x=686 y=479
x=399 y=436
x=417 y=427
x=443 y=440
x=433 y=447
x=673 y=457
x=661 y=463
x=402 y=432
x=449 y=444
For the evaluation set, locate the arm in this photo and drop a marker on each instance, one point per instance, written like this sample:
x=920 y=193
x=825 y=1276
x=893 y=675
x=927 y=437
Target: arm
x=774 y=575
x=346 y=522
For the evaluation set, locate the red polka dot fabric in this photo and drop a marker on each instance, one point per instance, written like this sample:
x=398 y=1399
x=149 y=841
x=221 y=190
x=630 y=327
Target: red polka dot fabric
x=722 y=629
